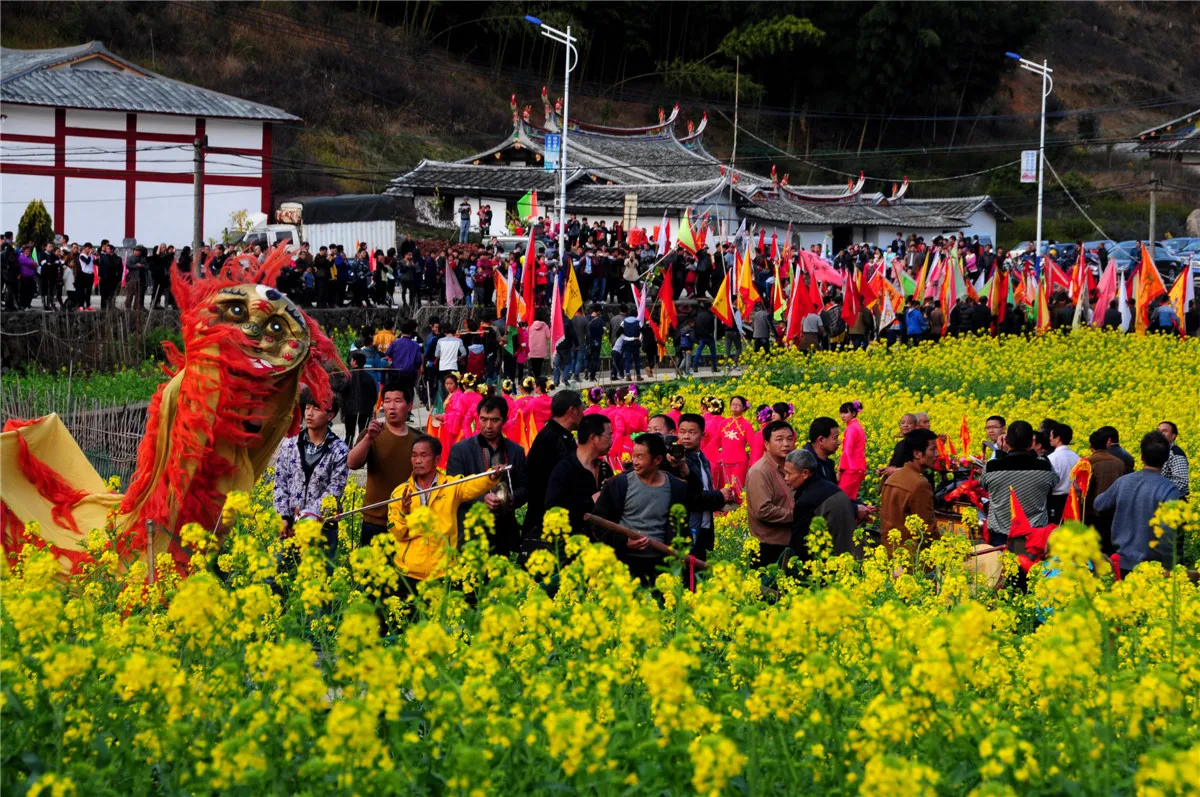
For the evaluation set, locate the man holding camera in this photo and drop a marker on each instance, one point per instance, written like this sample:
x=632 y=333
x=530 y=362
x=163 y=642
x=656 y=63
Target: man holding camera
x=697 y=470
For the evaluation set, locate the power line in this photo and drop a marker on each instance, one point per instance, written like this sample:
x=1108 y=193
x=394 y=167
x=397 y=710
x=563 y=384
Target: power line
x=1050 y=166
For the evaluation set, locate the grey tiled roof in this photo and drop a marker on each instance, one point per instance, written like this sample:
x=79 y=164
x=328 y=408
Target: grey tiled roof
x=662 y=195
x=923 y=214
x=468 y=177
x=28 y=78
x=660 y=156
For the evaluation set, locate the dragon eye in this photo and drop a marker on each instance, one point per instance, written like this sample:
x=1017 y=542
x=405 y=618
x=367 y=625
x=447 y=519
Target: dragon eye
x=236 y=311
x=274 y=327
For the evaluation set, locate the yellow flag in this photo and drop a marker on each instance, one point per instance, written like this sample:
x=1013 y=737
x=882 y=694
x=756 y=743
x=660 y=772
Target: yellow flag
x=572 y=299
x=686 y=239
x=745 y=285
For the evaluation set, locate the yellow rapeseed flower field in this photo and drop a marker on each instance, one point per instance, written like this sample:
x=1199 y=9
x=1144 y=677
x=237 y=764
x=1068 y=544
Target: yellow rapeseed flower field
x=266 y=672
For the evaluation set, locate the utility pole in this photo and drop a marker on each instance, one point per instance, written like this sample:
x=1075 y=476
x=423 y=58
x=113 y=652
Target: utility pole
x=198 y=199
x=1043 y=71
x=1153 y=210
x=737 y=83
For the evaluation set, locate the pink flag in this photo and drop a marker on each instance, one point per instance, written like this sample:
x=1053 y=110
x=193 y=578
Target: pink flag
x=820 y=268
x=557 y=331
x=453 y=289
x=1107 y=292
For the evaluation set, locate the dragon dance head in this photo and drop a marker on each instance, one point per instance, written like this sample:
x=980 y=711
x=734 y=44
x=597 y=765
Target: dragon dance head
x=211 y=429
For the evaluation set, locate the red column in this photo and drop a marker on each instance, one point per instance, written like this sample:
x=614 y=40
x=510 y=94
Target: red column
x=60 y=164
x=266 y=168
x=130 y=179
x=200 y=132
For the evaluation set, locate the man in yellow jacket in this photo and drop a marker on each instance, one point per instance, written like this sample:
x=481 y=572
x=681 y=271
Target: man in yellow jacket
x=422 y=555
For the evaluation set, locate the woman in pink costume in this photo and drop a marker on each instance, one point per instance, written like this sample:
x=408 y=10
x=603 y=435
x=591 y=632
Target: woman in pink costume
x=637 y=417
x=677 y=405
x=468 y=401
x=737 y=445
x=852 y=467
x=539 y=405
x=714 y=427
x=616 y=414
x=510 y=425
x=595 y=397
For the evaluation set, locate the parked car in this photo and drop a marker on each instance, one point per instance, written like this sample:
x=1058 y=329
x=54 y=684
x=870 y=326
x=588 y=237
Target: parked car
x=1176 y=246
x=1167 y=263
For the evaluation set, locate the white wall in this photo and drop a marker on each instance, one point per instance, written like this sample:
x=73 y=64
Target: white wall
x=164 y=214
x=95 y=210
x=164 y=123
x=94 y=153
x=234 y=133
x=27 y=120
x=220 y=201
x=17 y=191
x=104 y=120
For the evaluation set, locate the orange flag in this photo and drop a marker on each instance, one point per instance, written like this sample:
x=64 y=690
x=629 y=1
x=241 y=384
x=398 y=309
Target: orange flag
x=1150 y=287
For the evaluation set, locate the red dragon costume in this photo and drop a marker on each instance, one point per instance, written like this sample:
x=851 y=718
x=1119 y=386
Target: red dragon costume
x=212 y=429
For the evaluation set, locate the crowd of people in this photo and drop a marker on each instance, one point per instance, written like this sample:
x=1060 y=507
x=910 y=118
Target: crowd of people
x=603 y=455
x=609 y=267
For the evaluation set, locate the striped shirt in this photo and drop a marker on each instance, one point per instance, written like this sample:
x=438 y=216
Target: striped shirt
x=1030 y=477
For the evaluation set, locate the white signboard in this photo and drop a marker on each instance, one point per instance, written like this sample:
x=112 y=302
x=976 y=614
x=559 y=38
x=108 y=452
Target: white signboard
x=553 y=150
x=1029 y=166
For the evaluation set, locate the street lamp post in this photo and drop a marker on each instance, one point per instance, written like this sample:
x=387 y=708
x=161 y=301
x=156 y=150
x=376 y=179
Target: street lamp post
x=1043 y=69
x=572 y=59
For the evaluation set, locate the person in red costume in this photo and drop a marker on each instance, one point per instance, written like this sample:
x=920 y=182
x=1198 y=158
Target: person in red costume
x=472 y=393
x=677 y=406
x=595 y=397
x=852 y=467
x=714 y=427
x=510 y=425
x=539 y=405
x=637 y=417
x=622 y=444
x=739 y=445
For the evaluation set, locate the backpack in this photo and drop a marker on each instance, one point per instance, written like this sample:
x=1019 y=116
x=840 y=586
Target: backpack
x=631 y=328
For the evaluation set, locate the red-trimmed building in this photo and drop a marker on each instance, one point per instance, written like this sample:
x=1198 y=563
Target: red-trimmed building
x=108 y=147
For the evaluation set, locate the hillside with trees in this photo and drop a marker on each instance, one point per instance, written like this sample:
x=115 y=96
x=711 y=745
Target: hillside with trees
x=822 y=89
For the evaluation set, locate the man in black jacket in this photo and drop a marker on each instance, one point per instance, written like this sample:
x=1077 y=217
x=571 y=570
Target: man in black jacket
x=111 y=269
x=701 y=485
x=815 y=497
x=481 y=453
x=706 y=335
x=552 y=445
x=576 y=481
x=641 y=500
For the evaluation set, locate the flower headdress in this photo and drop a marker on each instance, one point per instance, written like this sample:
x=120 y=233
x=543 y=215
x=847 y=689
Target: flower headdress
x=677 y=402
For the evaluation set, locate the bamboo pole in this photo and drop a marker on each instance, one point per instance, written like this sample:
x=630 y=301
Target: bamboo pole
x=660 y=547
x=487 y=474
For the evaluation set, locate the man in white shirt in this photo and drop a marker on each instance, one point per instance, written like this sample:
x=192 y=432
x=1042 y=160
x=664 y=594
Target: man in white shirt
x=1063 y=460
x=450 y=349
